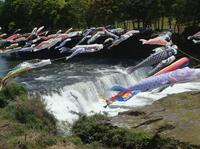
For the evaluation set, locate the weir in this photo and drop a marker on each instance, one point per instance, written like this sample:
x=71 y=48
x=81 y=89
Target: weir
x=81 y=87
x=88 y=97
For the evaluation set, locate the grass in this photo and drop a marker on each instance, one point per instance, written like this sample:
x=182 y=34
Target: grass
x=98 y=129
x=129 y=24
x=25 y=123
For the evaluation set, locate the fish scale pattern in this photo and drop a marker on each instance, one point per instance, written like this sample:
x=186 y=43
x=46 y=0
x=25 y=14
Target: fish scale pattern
x=154 y=59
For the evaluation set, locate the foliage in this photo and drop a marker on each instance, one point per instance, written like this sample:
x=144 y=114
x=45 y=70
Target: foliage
x=11 y=92
x=65 y=13
x=34 y=115
x=24 y=121
x=98 y=129
x=75 y=140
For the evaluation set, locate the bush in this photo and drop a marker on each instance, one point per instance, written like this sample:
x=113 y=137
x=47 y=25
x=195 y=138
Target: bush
x=33 y=113
x=25 y=120
x=97 y=129
x=91 y=129
x=12 y=92
x=75 y=140
x=3 y=100
x=24 y=109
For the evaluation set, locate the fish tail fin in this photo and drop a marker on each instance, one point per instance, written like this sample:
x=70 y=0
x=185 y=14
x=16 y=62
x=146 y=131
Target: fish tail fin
x=118 y=88
x=106 y=106
x=67 y=58
x=189 y=37
x=121 y=97
x=143 y=41
x=108 y=101
x=195 y=41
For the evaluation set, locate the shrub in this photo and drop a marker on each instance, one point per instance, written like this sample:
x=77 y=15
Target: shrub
x=3 y=100
x=91 y=129
x=25 y=109
x=75 y=140
x=33 y=113
x=12 y=92
x=25 y=120
x=97 y=129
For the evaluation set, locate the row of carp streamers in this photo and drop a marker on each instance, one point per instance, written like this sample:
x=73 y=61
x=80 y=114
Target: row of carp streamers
x=165 y=73
x=157 y=78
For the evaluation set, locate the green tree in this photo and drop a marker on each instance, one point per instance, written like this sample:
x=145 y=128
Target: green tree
x=103 y=12
x=192 y=12
x=50 y=13
x=179 y=13
x=53 y=14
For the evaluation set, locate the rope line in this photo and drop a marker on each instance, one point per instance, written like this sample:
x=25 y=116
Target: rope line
x=57 y=59
x=53 y=60
x=198 y=60
x=6 y=70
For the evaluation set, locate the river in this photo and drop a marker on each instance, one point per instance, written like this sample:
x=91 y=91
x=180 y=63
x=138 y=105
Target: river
x=81 y=85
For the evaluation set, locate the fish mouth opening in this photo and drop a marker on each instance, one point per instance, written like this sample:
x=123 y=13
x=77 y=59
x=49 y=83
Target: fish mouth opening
x=195 y=78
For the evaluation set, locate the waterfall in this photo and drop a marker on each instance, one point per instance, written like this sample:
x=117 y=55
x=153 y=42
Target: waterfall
x=88 y=96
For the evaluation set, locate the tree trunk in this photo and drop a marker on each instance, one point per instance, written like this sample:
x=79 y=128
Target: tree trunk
x=144 y=23
x=159 y=24
x=194 y=22
x=175 y=27
x=125 y=25
x=133 y=24
x=138 y=21
x=178 y=27
x=155 y=24
x=170 y=22
x=162 y=22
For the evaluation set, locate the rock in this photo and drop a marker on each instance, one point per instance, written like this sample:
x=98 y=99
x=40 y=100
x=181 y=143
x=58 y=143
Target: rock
x=176 y=116
x=133 y=113
x=63 y=146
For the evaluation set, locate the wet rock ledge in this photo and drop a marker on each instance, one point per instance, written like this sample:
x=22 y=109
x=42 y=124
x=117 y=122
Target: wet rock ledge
x=176 y=116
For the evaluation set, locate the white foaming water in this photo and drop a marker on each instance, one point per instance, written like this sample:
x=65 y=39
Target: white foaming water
x=87 y=97
x=47 y=78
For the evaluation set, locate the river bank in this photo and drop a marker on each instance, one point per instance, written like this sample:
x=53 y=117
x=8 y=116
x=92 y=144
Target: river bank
x=172 y=122
x=175 y=116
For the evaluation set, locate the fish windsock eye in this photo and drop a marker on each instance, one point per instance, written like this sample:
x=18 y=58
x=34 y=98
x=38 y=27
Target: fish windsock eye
x=181 y=73
x=178 y=75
